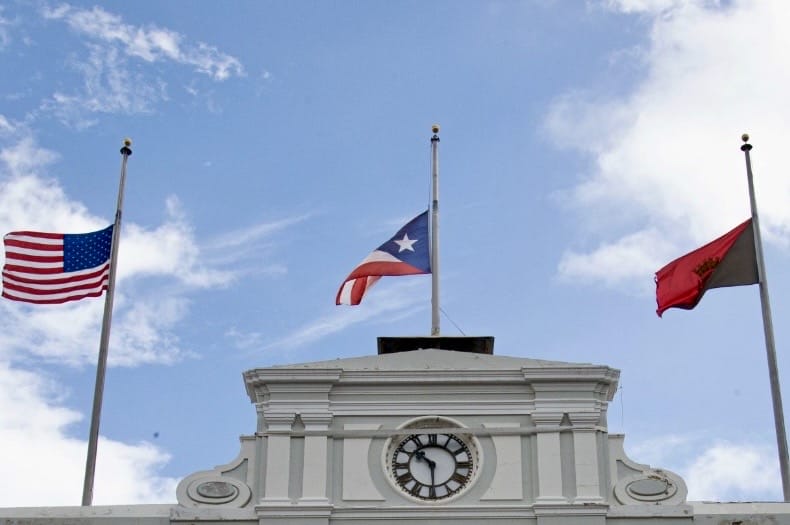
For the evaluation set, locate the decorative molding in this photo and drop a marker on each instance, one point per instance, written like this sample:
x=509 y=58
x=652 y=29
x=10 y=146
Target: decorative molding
x=212 y=489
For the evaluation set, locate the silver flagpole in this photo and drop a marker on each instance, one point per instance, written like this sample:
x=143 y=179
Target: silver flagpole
x=435 y=231
x=101 y=367
x=768 y=328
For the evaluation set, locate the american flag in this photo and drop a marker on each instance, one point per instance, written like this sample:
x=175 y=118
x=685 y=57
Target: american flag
x=51 y=268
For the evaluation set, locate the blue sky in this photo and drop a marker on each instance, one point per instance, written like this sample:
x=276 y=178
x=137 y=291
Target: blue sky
x=583 y=146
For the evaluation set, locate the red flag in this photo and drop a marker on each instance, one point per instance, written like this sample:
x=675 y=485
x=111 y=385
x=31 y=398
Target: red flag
x=729 y=260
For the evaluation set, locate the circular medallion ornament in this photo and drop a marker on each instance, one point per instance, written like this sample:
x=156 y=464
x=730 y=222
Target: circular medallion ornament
x=216 y=489
x=432 y=466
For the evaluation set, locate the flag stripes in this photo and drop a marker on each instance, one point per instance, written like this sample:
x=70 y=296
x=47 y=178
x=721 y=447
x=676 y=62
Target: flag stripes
x=405 y=253
x=53 y=268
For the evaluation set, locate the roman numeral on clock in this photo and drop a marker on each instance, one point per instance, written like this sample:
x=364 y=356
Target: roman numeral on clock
x=458 y=478
x=405 y=478
x=416 y=489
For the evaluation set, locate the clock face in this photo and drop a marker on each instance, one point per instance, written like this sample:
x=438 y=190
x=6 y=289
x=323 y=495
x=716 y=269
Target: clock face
x=432 y=466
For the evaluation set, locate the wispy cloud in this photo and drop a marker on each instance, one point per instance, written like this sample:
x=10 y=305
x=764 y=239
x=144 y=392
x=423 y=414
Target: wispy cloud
x=394 y=301
x=238 y=240
x=247 y=249
x=109 y=83
x=108 y=87
x=149 y=43
x=244 y=340
x=5 y=32
x=6 y=127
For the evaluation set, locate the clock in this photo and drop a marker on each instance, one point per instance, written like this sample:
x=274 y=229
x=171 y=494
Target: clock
x=432 y=466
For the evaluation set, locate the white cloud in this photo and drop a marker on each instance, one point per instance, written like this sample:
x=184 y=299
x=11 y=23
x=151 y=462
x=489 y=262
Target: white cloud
x=625 y=259
x=34 y=433
x=734 y=472
x=168 y=250
x=23 y=158
x=149 y=43
x=665 y=160
x=715 y=470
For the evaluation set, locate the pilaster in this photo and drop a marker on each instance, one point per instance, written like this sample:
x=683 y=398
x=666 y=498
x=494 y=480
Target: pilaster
x=315 y=459
x=588 y=485
x=278 y=458
x=549 y=458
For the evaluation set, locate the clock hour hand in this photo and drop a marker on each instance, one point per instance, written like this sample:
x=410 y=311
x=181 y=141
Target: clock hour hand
x=421 y=456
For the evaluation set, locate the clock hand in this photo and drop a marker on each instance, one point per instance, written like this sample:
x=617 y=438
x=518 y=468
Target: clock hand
x=421 y=456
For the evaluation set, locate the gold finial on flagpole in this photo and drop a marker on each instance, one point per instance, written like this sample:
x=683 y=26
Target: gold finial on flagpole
x=746 y=146
x=126 y=149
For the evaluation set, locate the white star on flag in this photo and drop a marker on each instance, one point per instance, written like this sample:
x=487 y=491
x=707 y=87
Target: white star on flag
x=405 y=243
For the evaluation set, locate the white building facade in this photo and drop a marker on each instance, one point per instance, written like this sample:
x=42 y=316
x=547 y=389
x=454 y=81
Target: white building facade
x=427 y=436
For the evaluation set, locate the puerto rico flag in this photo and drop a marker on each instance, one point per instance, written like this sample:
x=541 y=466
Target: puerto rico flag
x=405 y=253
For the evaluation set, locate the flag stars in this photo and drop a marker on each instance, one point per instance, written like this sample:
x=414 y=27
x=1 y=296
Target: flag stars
x=405 y=243
x=82 y=251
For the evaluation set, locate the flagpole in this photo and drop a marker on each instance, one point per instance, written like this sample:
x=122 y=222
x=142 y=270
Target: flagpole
x=101 y=367
x=435 y=230
x=768 y=328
